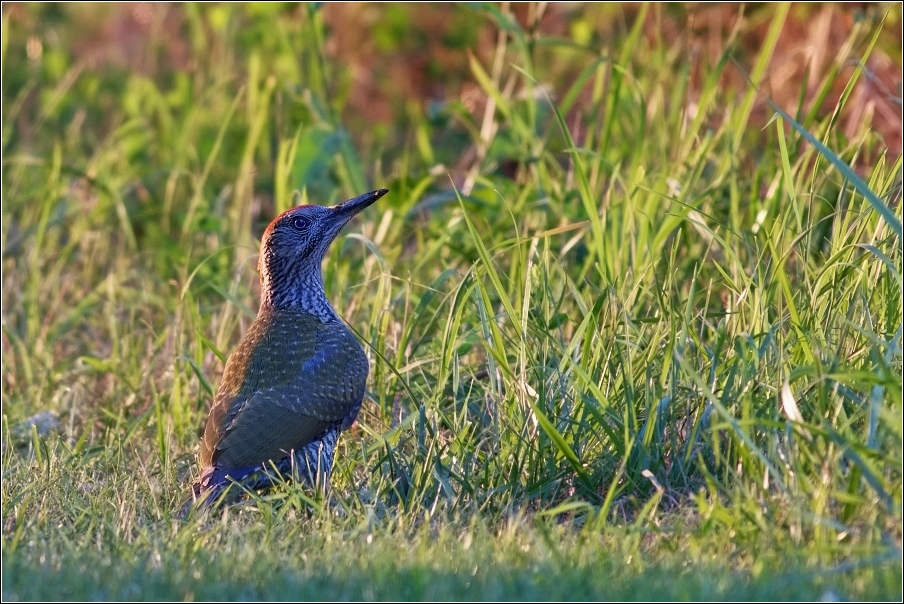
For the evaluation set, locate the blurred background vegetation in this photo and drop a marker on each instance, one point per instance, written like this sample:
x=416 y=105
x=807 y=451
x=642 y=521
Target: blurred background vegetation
x=384 y=72
x=660 y=323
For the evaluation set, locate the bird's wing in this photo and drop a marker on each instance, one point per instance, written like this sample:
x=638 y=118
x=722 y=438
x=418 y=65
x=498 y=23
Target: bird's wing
x=322 y=387
x=267 y=426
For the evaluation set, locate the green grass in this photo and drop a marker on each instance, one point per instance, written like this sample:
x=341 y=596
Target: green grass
x=629 y=338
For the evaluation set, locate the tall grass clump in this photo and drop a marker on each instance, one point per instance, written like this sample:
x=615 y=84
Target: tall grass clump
x=634 y=321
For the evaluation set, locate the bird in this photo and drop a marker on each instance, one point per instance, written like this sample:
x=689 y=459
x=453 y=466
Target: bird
x=296 y=379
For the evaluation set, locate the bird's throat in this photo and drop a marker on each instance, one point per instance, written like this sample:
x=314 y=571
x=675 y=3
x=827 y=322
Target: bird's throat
x=296 y=287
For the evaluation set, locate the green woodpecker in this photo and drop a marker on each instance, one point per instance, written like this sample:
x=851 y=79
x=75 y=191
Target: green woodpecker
x=297 y=378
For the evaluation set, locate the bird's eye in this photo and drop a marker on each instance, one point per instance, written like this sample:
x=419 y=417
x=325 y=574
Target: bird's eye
x=301 y=223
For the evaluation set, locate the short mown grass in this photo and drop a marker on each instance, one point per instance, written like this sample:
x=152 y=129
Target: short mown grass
x=631 y=336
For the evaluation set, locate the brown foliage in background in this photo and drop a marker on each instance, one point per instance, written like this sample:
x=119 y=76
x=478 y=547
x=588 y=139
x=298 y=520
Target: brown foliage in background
x=421 y=65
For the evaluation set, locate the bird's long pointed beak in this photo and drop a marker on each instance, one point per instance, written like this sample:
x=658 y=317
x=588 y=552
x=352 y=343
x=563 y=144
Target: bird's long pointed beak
x=349 y=208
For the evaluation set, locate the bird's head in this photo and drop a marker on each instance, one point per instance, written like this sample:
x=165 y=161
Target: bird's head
x=295 y=243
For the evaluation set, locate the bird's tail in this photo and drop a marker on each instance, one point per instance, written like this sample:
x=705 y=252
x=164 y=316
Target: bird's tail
x=205 y=493
x=216 y=487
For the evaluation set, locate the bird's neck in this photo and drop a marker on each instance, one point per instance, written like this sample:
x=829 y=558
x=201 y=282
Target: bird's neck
x=296 y=287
